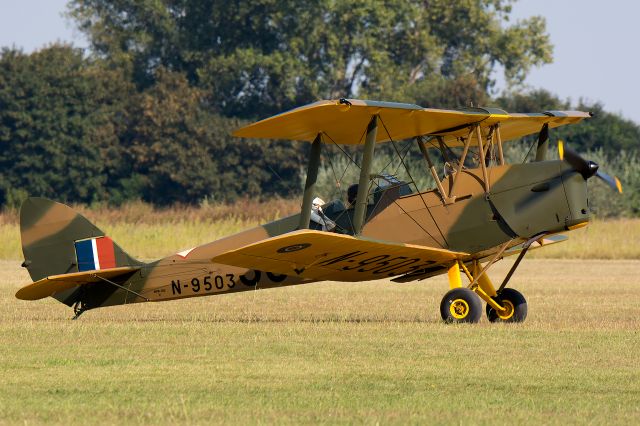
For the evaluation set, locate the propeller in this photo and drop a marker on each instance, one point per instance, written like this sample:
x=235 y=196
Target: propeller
x=586 y=168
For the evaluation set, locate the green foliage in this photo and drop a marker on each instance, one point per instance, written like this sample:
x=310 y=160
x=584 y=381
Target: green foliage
x=56 y=116
x=605 y=202
x=76 y=130
x=609 y=132
x=265 y=56
x=168 y=146
x=180 y=151
x=535 y=100
x=148 y=112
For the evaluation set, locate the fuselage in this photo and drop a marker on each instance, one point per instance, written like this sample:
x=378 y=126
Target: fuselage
x=523 y=200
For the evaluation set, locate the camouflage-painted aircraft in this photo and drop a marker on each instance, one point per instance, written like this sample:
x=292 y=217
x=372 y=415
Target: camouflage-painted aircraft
x=480 y=210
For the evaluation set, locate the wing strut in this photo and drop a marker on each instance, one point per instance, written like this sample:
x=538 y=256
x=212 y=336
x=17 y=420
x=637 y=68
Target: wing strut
x=525 y=248
x=365 y=171
x=432 y=169
x=481 y=155
x=310 y=184
x=465 y=151
x=495 y=135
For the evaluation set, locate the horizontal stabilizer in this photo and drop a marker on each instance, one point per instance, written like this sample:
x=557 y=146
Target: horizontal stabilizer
x=321 y=256
x=56 y=283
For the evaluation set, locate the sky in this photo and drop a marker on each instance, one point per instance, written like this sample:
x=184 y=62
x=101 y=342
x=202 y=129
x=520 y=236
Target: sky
x=596 y=55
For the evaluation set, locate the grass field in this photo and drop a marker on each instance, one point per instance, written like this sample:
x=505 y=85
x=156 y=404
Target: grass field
x=331 y=354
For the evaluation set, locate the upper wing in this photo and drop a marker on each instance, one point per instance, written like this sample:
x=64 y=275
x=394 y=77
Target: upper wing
x=321 y=255
x=514 y=126
x=56 y=283
x=346 y=122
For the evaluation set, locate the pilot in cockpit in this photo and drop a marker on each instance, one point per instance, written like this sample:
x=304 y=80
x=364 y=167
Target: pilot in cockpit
x=318 y=217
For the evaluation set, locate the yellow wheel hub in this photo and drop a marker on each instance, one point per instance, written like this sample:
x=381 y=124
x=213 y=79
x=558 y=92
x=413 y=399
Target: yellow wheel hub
x=459 y=308
x=508 y=312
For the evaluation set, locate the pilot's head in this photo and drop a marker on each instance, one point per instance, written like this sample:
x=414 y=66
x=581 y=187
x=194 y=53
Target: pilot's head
x=317 y=203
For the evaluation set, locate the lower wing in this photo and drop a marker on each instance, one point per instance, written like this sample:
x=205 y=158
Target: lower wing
x=328 y=256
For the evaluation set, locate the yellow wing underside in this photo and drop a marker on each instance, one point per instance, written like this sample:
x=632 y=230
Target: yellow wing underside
x=320 y=255
x=345 y=123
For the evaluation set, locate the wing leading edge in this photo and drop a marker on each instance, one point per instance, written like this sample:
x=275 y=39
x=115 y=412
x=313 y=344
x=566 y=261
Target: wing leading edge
x=321 y=256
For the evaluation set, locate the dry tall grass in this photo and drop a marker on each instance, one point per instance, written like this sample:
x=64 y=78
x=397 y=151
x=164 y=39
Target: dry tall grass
x=245 y=210
x=150 y=233
x=602 y=239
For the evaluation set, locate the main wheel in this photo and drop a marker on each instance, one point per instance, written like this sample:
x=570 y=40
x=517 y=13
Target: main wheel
x=461 y=305
x=514 y=302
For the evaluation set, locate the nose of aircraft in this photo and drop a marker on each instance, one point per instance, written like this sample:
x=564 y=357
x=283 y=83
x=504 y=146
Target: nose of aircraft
x=587 y=168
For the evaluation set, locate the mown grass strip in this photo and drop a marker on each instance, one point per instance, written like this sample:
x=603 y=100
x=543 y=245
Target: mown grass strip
x=331 y=353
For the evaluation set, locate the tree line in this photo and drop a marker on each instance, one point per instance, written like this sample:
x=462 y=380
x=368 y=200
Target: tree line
x=146 y=112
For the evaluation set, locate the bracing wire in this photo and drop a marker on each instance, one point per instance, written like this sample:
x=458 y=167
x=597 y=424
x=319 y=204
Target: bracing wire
x=339 y=185
x=395 y=172
x=528 y=152
x=343 y=151
x=401 y=156
x=339 y=181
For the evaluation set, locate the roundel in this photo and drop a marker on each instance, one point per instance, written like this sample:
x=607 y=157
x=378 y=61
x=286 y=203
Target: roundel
x=294 y=247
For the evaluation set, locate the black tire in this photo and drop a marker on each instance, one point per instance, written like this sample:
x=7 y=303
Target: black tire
x=518 y=307
x=461 y=305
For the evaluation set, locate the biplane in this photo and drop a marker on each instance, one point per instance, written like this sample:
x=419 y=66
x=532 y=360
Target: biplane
x=480 y=210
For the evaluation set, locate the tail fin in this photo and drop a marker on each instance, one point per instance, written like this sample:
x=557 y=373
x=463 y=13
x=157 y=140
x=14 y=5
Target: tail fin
x=57 y=240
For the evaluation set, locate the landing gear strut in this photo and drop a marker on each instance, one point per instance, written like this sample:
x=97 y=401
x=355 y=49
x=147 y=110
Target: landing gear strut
x=503 y=305
x=464 y=305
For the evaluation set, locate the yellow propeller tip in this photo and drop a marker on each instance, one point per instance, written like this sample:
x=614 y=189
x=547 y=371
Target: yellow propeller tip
x=561 y=149
x=618 y=184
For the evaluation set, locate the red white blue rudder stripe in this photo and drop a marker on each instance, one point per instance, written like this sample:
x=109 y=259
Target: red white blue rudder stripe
x=95 y=253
